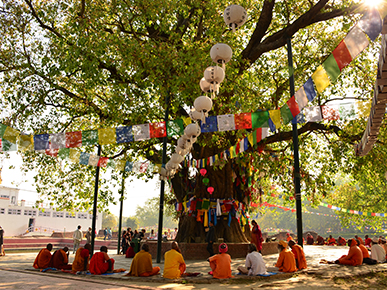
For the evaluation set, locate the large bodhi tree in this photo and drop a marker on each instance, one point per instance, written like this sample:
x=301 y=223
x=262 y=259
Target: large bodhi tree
x=80 y=65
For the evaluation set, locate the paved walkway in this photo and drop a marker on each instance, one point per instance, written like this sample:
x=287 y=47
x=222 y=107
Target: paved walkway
x=16 y=269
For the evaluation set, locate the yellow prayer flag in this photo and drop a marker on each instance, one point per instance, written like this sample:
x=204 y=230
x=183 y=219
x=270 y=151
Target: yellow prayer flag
x=120 y=165
x=74 y=155
x=232 y=151
x=320 y=79
x=251 y=139
x=11 y=135
x=275 y=116
x=26 y=142
x=157 y=168
x=186 y=120
x=107 y=136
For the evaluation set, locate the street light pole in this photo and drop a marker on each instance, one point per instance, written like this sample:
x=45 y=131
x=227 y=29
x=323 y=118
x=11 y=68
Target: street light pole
x=95 y=204
x=296 y=171
x=121 y=208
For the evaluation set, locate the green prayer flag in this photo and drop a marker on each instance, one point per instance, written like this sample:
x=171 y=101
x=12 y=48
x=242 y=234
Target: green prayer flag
x=2 y=130
x=89 y=137
x=331 y=67
x=175 y=127
x=8 y=146
x=64 y=153
x=286 y=114
x=111 y=164
x=260 y=119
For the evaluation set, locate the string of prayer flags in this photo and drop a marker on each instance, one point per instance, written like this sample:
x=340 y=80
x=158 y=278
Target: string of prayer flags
x=124 y=134
x=312 y=114
x=226 y=122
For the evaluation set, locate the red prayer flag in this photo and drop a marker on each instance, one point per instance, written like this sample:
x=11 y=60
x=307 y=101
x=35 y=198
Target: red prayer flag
x=52 y=152
x=157 y=130
x=329 y=113
x=103 y=161
x=293 y=106
x=73 y=139
x=342 y=55
x=242 y=121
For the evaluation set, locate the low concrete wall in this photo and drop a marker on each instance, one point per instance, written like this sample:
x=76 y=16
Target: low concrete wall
x=198 y=251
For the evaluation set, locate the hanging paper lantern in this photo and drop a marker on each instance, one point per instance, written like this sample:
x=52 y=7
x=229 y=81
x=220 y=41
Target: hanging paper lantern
x=203 y=105
x=214 y=75
x=195 y=115
x=182 y=151
x=176 y=158
x=210 y=189
x=171 y=166
x=182 y=143
x=203 y=171
x=235 y=16
x=206 y=181
x=221 y=53
x=205 y=86
x=192 y=130
x=189 y=141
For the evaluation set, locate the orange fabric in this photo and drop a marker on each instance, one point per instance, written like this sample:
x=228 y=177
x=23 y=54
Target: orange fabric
x=360 y=240
x=331 y=242
x=221 y=266
x=141 y=263
x=354 y=257
x=79 y=260
x=299 y=256
x=342 y=242
x=286 y=261
x=364 y=251
x=99 y=263
x=60 y=260
x=154 y=271
x=43 y=259
x=174 y=264
x=289 y=238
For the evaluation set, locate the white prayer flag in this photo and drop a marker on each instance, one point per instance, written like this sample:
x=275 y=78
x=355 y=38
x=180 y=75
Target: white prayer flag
x=93 y=160
x=226 y=122
x=58 y=140
x=356 y=41
x=312 y=114
x=302 y=99
x=141 y=132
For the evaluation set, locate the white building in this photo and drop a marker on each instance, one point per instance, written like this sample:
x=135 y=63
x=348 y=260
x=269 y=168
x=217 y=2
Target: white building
x=18 y=217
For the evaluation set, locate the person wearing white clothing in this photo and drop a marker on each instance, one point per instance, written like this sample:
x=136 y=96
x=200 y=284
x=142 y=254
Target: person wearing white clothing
x=377 y=251
x=254 y=263
x=77 y=238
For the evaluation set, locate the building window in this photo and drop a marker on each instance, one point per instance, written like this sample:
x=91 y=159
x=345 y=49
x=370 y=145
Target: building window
x=14 y=211
x=70 y=215
x=91 y=217
x=57 y=214
x=4 y=196
x=30 y=212
x=2 y=210
x=82 y=216
x=44 y=213
x=13 y=199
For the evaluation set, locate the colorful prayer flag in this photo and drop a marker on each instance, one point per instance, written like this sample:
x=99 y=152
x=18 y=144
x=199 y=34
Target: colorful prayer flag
x=175 y=128
x=309 y=89
x=356 y=41
x=260 y=119
x=26 y=142
x=211 y=125
x=226 y=122
x=275 y=116
x=286 y=114
x=41 y=142
x=157 y=130
x=107 y=136
x=331 y=67
x=74 y=155
x=89 y=137
x=93 y=160
x=371 y=23
x=84 y=158
x=320 y=79
x=242 y=121
x=141 y=132
x=58 y=140
x=11 y=135
x=73 y=139
x=342 y=55
x=124 y=134
x=313 y=114
x=301 y=98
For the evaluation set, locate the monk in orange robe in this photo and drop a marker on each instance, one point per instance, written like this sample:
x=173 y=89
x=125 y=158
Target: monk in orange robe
x=299 y=255
x=288 y=237
x=360 y=239
x=341 y=241
x=101 y=263
x=142 y=264
x=81 y=260
x=43 y=259
x=286 y=261
x=60 y=259
x=366 y=255
x=221 y=263
x=354 y=257
x=331 y=241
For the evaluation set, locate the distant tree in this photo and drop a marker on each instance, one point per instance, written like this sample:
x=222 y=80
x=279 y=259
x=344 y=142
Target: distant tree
x=131 y=222
x=109 y=220
x=148 y=215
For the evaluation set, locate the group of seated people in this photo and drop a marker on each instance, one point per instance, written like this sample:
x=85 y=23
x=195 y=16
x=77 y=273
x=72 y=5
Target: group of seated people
x=100 y=262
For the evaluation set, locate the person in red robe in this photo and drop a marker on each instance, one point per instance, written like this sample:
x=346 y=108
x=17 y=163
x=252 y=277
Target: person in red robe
x=299 y=255
x=256 y=236
x=367 y=241
x=341 y=241
x=331 y=241
x=101 y=263
x=221 y=263
x=320 y=240
x=43 y=259
x=60 y=259
x=354 y=257
x=288 y=237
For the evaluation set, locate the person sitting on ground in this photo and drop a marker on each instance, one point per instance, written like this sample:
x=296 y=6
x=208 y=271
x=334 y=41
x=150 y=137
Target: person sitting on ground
x=309 y=239
x=367 y=241
x=288 y=237
x=254 y=264
x=299 y=255
x=174 y=265
x=331 y=241
x=366 y=255
x=43 y=259
x=221 y=263
x=377 y=251
x=354 y=257
x=360 y=239
x=384 y=245
x=130 y=253
x=320 y=240
x=142 y=264
x=101 y=263
x=341 y=241
x=60 y=259
x=286 y=261
x=81 y=260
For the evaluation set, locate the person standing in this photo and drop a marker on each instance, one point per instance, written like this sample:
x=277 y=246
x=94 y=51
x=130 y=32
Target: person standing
x=88 y=236
x=256 y=236
x=2 y=253
x=210 y=238
x=77 y=238
x=105 y=233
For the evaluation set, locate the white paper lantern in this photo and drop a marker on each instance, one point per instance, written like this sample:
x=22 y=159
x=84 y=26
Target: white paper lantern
x=214 y=75
x=192 y=130
x=176 y=158
x=171 y=166
x=182 y=151
x=203 y=105
x=205 y=86
x=195 y=115
x=221 y=53
x=182 y=143
x=235 y=16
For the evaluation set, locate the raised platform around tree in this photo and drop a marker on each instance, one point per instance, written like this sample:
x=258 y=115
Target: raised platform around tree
x=198 y=251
